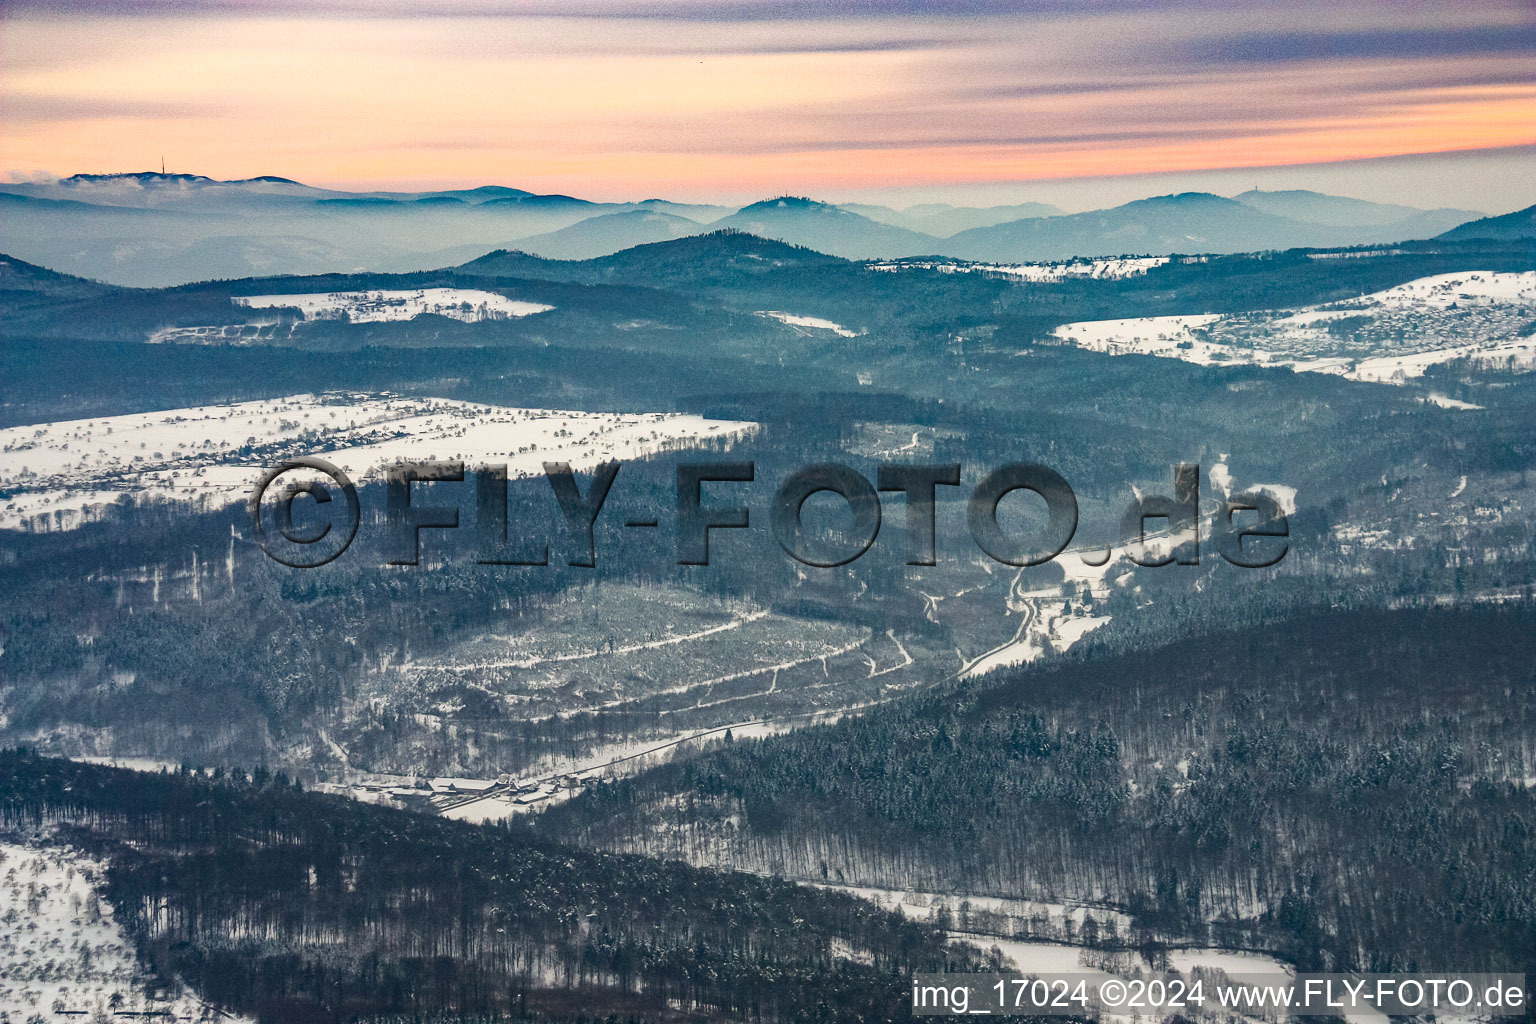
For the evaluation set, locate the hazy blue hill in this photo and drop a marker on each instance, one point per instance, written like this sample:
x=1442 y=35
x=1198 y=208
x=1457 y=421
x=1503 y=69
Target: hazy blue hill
x=267 y=192
x=1342 y=211
x=360 y=201
x=157 y=190
x=21 y=203
x=879 y=214
x=711 y=258
x=20 y=278
x=484 y=192
x=143 y=177
x=516 y=263
x=153 y=230
x=148 y=229
x=942 y=220
x=827 y=228
x=538 y=200
x=227 y=257
x=1191 y=222
x=1520 y=224
x=701 y=213
x=609 y=233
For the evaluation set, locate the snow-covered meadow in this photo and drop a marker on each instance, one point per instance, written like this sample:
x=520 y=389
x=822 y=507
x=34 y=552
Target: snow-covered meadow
x=1387 y=337
x=1108 y=269
x=61 y=952
x=814 y=323
x=211 y=456
x=1172 y=337
x=376 y=306
x=1056 y=927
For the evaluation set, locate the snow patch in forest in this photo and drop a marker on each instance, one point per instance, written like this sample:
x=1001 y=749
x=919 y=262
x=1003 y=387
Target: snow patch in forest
x=1049 y=624
x=813 y=322
x=1446 y=402
x=1284 y=495
x=61 y=951
x=1108 y=269
x=1172 y=337
x=1186 y=960
x=376 y=306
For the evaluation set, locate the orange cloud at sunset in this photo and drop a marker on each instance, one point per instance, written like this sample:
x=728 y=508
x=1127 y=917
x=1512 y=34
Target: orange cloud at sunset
x=737 y=100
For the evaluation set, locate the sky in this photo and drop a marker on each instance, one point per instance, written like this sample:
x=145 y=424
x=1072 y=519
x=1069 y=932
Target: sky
x=977 y=101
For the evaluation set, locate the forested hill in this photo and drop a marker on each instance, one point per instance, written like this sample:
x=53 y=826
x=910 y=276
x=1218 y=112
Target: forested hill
x=293 y=906
x=1346 y=790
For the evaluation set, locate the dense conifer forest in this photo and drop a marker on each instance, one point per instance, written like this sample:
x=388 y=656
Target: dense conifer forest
x=1350 y=791
x=292 y=906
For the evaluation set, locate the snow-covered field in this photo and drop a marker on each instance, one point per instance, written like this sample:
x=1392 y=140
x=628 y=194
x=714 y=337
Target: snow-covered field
x=1387 y=337
x=61 y=952
x=1114 y=268
x=366 y=307
x=1051 y=627
x=211 y=456
x=813 y=322
x=969 y=920
x=1446 y=402
x=1480 y=288
x=1284 y=495
x=1172 y=337
x=930 y=906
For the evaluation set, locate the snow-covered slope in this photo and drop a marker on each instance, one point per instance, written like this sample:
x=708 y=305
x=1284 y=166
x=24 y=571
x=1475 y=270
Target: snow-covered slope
x=211 y=456
x=61 y=952
x=1388 y=336
x=374 y=306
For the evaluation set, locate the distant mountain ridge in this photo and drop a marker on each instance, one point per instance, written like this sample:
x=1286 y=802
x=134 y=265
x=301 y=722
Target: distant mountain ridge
x=1520 y=224
x=942 y=220
x=597 y=236
x=78 y=179
x=1195 y=222
x=148 y=228
x=827 y=228
x=19 y=276
x=1402 y=222
x=690 y=258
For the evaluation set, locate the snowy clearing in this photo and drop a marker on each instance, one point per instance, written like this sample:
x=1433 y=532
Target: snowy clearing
x=211 y=456
x=1172 y=337
x=368 y=307
x=1445 y=402
x=1284 y=495
x=1051 y=629
x=812 y=322
x=1387 y=337
x=1111 y=269
x=61 y=952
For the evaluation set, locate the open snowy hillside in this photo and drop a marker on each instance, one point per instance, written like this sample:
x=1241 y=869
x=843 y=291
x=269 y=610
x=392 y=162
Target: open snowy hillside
x=1389 y=336
x=211 y=456
x=61 y=952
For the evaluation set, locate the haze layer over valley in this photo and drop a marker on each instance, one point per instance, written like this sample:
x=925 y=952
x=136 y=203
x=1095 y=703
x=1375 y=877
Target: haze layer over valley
x=156 y=229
